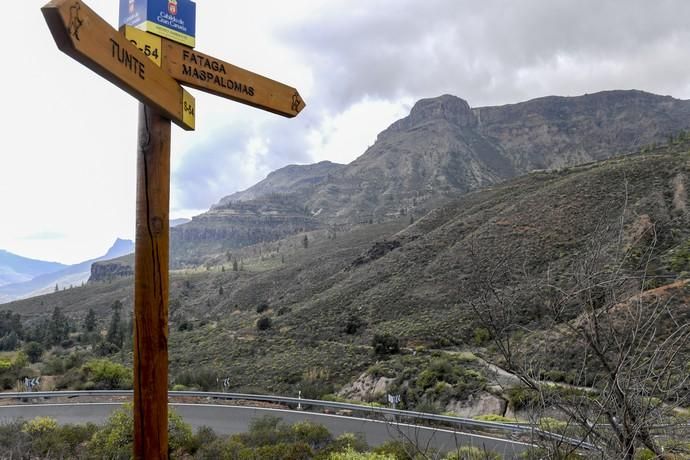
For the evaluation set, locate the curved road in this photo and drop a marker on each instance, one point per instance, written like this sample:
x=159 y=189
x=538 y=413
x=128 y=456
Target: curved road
x=235 y=419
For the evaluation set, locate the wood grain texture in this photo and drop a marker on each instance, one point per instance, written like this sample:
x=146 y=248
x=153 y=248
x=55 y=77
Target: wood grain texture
x=212 y=75
x=83 y=35
x=151 y=286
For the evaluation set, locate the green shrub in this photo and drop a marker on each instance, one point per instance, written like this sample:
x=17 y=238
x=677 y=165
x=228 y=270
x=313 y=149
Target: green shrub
x=353 y=325
x=351 y=454
x=39 y=425
x=202 y=378
x=115 y=439
x=107 y=375
x=471 y=453
x=266 y=430
x=44 y=438
x=263 y=323
x=34 y=351
x=314 y=435
x=521 y=398
x=280 y=451
x=481 y=335
x=402 y=451
x=349 y=441
x=385 y=344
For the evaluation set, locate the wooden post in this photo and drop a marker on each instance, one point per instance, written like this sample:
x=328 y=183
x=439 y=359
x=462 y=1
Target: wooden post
x=151 y=287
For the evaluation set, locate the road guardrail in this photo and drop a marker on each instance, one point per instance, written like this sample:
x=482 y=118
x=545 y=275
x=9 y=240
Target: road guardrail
x=370 y=409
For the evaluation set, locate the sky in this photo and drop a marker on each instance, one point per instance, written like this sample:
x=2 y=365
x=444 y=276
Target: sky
x=68 y=137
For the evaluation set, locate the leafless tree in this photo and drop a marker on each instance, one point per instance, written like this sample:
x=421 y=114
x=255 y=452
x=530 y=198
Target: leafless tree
x=632 y=342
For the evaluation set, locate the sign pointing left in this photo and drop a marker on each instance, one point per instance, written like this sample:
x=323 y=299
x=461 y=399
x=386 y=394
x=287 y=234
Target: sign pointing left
x=83 y=35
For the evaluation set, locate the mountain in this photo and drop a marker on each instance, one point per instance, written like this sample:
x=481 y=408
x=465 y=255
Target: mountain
x=326 y=300
x=65 y=276
x=290 y=180
x=180 y=221
x=445 y=148
x=441 y=150
x=15 y=269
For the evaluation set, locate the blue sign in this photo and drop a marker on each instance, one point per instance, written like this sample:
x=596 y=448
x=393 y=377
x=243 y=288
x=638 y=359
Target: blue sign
x=172 y=19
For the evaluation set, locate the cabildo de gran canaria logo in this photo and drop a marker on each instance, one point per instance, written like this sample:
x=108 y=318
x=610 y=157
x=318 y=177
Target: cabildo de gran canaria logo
x=172 y=7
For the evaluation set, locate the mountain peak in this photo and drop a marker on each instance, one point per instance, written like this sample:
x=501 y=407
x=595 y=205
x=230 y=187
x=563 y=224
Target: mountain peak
x=119 y=248
x=450 y=108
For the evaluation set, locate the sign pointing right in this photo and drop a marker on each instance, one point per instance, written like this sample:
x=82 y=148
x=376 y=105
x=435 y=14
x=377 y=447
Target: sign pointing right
x=206 y=73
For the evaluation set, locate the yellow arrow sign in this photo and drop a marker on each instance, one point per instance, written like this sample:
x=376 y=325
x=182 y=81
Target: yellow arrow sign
x=212 y=75
x=81 y=34
x=206 y=73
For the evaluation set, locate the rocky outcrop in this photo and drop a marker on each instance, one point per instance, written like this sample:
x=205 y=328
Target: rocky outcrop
x=452 y=109
x=366 y=388
x=234 y=224
x=296 y=180
x=378 y=250
x=112 y=269
x=481 y=403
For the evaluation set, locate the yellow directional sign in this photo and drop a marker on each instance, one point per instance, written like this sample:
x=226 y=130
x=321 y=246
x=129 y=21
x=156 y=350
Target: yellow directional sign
x=80 y=33
x=206 y=73
x=149 y=44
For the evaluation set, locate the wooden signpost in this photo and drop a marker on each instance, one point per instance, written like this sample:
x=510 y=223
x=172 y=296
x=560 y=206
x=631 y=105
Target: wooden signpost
x=212 y=75
x=151 y=69
x=83 y=35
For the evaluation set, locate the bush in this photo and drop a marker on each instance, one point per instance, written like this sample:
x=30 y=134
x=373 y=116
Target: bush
x=481 y=336
x=34 y=351
x=104 y=348
x=314 y=435
x=350 y=441
x=281 y=451
x=262 y=307
x=115 y=440
x=39 y=425
x=471 y=453
x=107 y=375
x=385 y=344
x=354 y=324
x=264 y=323
x=202 y=378
x=400 y=450
x=521 y=398
x=42 y=437
x=351 y=454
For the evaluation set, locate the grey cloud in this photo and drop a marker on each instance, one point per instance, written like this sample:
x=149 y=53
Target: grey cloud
x=488 y=52
x=480 y=50
x=224 y=164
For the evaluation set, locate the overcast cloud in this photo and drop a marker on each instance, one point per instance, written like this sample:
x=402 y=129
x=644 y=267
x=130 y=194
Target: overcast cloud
x=68 y=145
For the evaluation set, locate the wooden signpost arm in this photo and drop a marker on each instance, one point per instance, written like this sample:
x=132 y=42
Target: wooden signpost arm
x=151 y=287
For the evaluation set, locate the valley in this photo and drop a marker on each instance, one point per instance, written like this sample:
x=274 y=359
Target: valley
x=463 y=239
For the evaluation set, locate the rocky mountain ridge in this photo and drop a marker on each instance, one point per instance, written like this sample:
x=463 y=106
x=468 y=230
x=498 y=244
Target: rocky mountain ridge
x=62 y=277
x=17 y=269
x=442 y=149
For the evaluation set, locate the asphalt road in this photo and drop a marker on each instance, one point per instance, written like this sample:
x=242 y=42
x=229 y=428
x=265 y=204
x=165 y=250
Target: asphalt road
x=236 y=419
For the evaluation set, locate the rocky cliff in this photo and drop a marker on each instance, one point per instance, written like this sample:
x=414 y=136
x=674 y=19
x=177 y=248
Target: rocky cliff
x=233 y=224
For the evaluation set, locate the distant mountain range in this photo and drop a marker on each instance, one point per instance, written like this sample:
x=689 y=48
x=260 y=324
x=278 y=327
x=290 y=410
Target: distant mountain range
x=16 y=269
x=34 y=277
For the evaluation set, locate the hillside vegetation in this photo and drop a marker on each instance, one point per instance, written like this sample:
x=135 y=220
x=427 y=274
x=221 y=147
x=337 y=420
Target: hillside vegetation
x=521 y=274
